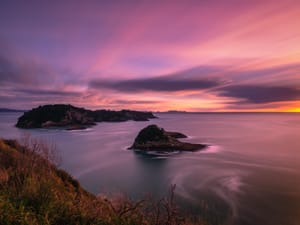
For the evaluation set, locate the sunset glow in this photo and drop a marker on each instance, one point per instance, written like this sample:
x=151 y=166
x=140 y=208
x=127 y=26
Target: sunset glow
x=151 y=55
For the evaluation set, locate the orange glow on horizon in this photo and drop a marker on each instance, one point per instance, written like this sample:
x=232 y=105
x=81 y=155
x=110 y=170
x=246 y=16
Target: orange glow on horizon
x=294 y=110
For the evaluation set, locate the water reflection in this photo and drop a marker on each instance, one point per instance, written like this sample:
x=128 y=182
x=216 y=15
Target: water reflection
x=249 y=175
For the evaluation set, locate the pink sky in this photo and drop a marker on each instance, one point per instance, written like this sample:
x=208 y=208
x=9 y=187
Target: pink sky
x=151 y=55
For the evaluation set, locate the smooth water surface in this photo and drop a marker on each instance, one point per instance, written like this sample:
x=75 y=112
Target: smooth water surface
x=250 y=171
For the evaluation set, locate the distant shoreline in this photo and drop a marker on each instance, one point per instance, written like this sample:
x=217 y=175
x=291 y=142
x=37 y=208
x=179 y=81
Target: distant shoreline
x=12 y=110
x=226 y=112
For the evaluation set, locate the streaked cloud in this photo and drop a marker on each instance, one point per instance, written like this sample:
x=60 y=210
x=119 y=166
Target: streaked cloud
x=184 y=55
x=199 y=78
x=261 y=94
x=39 y=92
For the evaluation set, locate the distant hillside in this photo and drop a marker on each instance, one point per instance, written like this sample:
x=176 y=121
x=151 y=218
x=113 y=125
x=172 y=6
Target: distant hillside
x=71 y=117
x=33 y=191
x=11 y=110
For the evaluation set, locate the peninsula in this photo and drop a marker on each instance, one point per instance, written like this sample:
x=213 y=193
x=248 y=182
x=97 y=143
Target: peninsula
x=71 y=118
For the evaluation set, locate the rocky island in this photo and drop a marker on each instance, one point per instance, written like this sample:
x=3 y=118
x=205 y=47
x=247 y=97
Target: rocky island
x=72 y=118
x=154 y=138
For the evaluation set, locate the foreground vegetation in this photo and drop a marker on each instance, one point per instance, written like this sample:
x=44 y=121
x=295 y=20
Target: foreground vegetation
x=34 y=191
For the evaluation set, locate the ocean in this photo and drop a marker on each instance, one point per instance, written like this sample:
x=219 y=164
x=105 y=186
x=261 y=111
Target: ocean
x=248 y=175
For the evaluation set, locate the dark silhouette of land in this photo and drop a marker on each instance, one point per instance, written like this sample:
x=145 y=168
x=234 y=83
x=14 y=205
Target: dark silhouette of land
x=154 y=138
x=71 y=117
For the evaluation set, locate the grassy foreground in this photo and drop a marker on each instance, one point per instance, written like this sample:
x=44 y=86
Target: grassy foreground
x=34 y=191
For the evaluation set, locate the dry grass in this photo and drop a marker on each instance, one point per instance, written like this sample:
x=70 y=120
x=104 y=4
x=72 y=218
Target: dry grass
x=34 y=192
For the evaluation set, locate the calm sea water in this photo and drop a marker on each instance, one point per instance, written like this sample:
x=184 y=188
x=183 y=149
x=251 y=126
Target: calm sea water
x=250 y=174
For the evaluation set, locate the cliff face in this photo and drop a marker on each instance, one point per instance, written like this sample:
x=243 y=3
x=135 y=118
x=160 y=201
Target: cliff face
x=71 y=117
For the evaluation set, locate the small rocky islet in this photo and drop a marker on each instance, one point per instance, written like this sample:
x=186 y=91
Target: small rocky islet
x=73 y=118
x=154 y=138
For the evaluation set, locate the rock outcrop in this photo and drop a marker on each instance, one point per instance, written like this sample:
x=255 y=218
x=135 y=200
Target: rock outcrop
x=74 y=118
x=153 y=138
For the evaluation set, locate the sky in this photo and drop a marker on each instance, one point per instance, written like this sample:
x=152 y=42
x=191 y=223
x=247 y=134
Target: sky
x=192 y=55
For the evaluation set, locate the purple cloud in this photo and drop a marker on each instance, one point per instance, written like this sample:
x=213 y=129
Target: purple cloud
x=260 y=94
